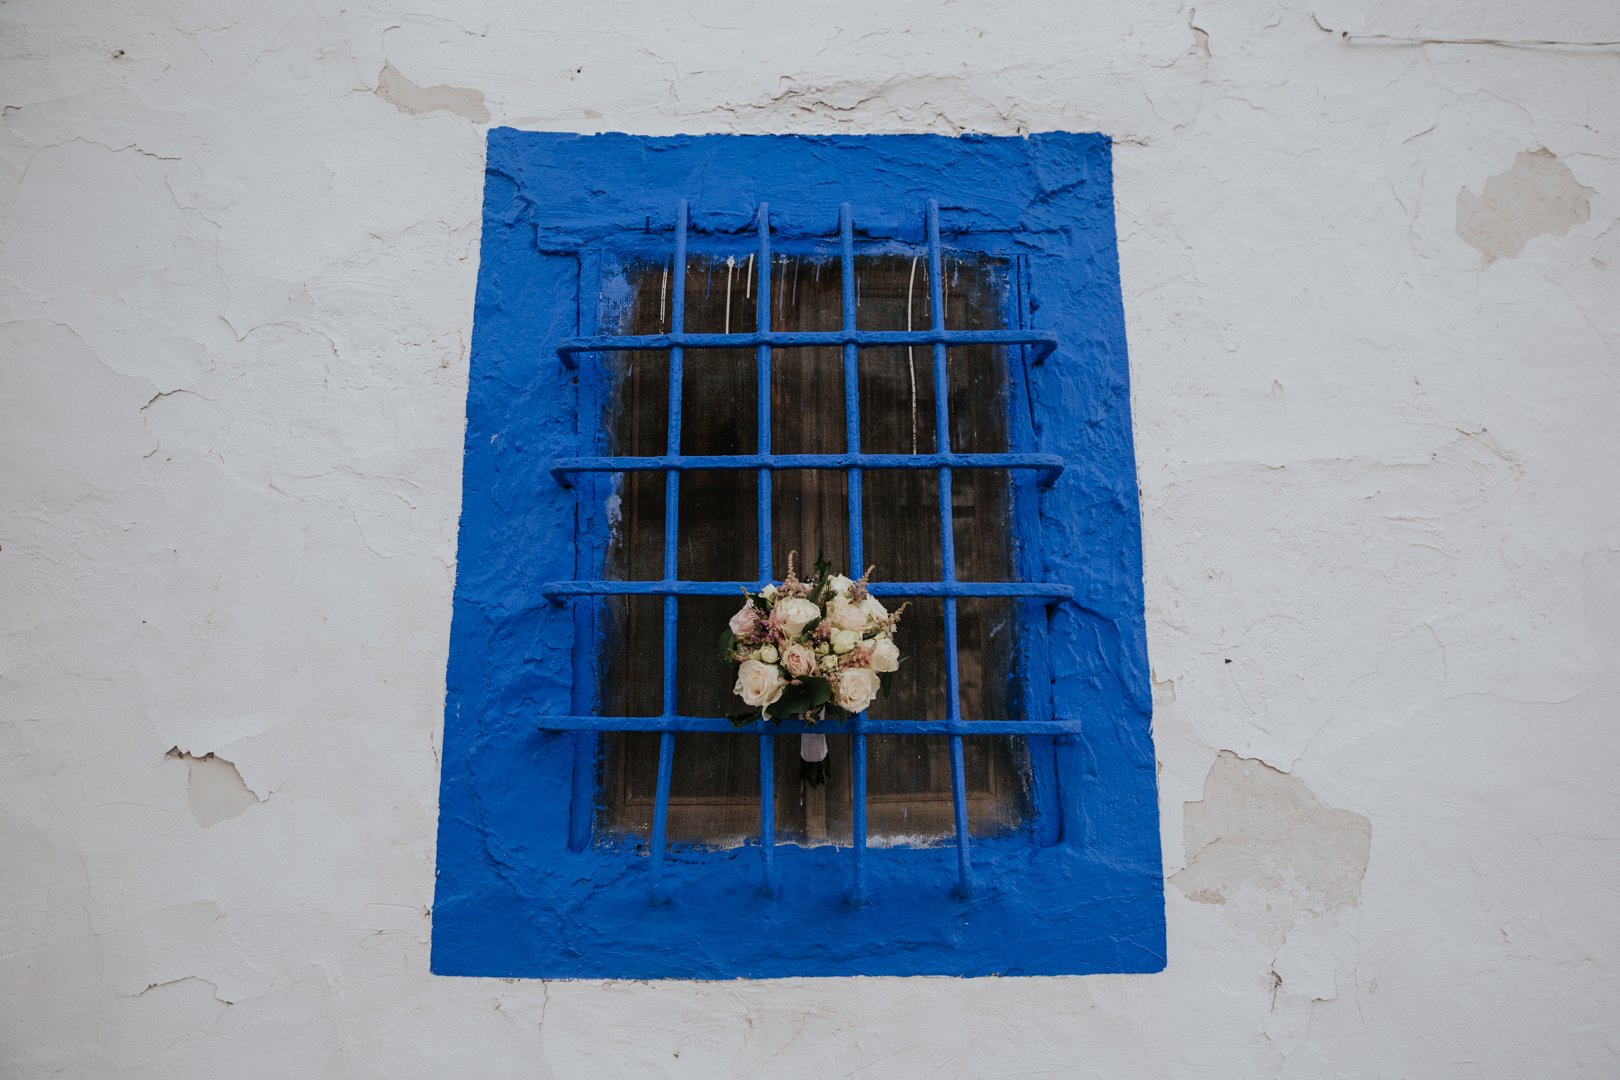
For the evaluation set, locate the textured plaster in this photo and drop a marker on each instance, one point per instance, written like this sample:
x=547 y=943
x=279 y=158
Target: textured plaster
x=1375 y=477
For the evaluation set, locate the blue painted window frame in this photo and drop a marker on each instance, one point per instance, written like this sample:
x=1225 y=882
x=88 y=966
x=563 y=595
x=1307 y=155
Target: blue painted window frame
x=523 y=890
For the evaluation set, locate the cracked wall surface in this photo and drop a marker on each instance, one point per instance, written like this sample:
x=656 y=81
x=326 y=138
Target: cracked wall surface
x=1367 y=254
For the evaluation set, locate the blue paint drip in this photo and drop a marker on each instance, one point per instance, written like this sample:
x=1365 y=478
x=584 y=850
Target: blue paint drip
x=1080 y=889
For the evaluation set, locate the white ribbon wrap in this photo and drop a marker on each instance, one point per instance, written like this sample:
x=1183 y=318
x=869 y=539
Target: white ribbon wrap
x=813 y=747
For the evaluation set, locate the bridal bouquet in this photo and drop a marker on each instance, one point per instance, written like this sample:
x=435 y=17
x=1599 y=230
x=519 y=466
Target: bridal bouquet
x=811 y=649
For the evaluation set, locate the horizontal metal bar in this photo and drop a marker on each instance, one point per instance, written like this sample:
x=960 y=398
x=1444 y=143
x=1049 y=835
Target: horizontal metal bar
x=720 y=725
x=1050 y=465
x=555 y=590
x=1045 y=342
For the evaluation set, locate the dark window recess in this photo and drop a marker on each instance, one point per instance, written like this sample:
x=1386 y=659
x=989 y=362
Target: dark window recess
x=715 y=784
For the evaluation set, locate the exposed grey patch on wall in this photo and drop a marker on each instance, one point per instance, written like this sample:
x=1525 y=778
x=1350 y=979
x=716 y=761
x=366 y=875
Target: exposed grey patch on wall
x=1164 y=691
x=213 y=787
x=1259 y=828
x=408 y=97
x=1538 y=196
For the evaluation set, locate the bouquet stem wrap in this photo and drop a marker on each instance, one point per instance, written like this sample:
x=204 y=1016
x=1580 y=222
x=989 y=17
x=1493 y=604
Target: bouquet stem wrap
x=813 y=759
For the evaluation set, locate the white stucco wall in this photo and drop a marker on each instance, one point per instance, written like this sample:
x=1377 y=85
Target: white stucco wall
x=1376 y=395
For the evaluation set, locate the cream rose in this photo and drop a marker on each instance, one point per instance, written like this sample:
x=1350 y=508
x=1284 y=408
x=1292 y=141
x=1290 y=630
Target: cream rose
x=794 y=613
x=799 y=660
x=847 y=616
x=839 y=584
x=843 y=641
x=759 y=684
x=885 y=657
x=875 y=611
x=769 y=655
x=855 y=688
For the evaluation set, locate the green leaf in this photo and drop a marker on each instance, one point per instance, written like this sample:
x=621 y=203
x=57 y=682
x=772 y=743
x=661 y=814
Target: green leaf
x=836 y=712
x=823 y=572
x=811 y=625
x=742 y=719
x=727 y=641
x=811 y=692
x=884 y=679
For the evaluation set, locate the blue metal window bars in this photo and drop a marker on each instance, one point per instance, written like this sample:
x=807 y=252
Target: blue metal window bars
x=1047 y=467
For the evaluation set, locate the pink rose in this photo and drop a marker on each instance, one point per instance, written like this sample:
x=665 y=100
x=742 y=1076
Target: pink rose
x=800 y=660
x=746 y=621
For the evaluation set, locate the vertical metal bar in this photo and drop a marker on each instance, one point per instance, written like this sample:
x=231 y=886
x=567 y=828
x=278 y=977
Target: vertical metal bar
x=767 y=814
x=852 y=389
x=1034 y=675
x=767 y=743
x=857 y=552
x=672 y=520
x=656 y=893
x=947 y=544
x=589 y=550
x=763 y=318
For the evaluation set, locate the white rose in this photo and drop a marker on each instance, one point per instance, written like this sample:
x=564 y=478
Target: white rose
x=855 y=688
x=769 y=655
x=799 y=660
x=839 y=584
x=847 y=616
x=823 y=649
x=759 y=684
x=829 y=663
x=768 y=592
x=794 y=613
x=885 y=657
x=875 y=611
x=843 y=640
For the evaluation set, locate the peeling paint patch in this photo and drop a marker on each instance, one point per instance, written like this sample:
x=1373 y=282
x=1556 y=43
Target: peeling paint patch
x=415 y=100
x=1200 y=35
x=214 y=788
x=1538 y=196
x=1261 y=828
